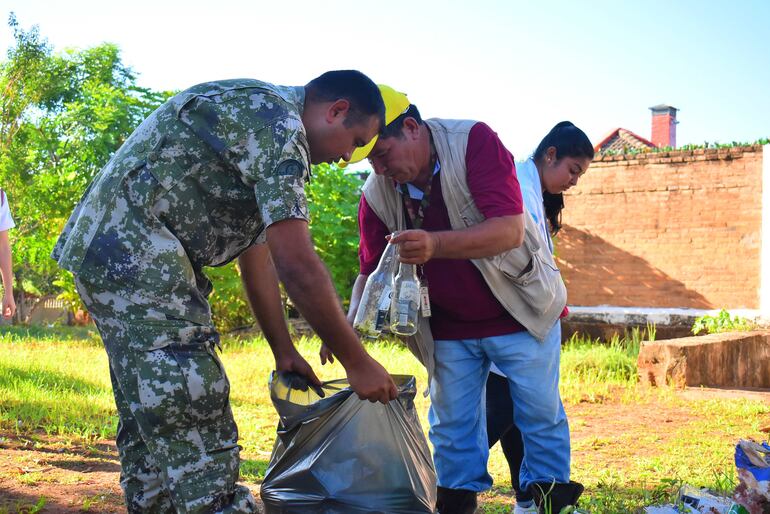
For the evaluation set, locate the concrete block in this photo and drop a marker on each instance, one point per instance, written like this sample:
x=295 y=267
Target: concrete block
x=732 y=359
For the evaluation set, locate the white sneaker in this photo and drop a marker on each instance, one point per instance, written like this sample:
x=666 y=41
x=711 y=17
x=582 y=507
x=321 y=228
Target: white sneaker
x=531 y=509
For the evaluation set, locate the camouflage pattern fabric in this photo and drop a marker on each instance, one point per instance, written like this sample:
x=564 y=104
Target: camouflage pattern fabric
x=195 y=185
x=177 y=440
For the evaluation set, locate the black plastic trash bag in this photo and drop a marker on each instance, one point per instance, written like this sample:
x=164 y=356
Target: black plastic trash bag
x=337 y=454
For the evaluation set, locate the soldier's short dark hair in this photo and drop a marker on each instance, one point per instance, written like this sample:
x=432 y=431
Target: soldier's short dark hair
x=395 y=127
x=351 y=85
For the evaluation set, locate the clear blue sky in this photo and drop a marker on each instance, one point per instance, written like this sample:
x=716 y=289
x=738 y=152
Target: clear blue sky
x=520 y=66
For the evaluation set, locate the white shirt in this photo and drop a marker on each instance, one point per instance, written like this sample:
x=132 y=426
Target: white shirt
x=532 y=194
x=6 y=221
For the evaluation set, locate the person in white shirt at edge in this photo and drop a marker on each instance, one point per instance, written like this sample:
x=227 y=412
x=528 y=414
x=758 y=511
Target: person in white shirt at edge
x=6 y=266
x=559 y=161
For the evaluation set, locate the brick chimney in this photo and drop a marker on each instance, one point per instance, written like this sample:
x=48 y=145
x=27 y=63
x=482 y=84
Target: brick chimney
x=664 y=125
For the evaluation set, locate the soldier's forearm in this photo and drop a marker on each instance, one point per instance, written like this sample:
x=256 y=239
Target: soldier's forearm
x=310 y=287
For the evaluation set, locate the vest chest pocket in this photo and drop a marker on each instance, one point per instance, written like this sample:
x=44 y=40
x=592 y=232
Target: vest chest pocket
x=533 y=275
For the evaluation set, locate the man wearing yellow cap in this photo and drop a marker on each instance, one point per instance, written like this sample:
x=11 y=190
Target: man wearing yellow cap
x=496 y=296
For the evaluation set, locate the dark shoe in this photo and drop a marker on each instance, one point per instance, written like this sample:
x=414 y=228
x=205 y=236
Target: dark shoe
x=551 y=498
x=455 y=501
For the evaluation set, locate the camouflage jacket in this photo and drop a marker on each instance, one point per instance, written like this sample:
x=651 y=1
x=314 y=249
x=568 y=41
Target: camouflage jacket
x=194 y=185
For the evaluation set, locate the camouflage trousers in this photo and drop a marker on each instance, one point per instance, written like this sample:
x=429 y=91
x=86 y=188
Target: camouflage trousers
x=177 y=440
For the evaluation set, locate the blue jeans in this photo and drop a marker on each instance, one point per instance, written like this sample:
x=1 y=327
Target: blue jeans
x=457 y=414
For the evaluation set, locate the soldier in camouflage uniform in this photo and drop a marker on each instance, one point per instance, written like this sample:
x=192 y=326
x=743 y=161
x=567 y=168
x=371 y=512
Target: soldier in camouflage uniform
x=211 y=175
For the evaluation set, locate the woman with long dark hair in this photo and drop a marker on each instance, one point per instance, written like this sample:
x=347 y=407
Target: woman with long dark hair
x=559 y=161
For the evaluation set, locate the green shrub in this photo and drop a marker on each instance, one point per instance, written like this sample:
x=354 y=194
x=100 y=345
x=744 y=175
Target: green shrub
x=333 y=196
x=229 y=306
x=68 y=294
x=333 y=203
x=63 y=116
x=722 y=322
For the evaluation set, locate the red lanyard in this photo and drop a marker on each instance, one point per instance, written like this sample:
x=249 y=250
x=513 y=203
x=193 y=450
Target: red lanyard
x=416 y=216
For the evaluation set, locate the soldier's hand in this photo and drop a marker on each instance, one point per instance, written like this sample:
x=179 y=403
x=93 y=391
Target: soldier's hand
x=416 y=246
x=326 y=355
x=370 y=381
x=293 y=361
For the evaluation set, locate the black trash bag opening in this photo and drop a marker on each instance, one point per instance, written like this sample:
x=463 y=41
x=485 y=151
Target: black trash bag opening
x=336 y=453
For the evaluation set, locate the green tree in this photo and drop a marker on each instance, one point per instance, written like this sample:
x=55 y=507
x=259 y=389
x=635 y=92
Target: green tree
x=333 y=202
x=62 y=116
x=229 y=307
x=333 y=196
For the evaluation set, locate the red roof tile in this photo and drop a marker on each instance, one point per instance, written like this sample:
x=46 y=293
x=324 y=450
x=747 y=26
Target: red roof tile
x=621 y=140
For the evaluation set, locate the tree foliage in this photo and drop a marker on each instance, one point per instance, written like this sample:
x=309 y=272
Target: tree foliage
x=333 y=202
x=63 y=115
x=61 y=118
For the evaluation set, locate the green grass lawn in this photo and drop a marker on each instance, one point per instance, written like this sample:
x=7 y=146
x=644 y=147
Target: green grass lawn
x=632 y=446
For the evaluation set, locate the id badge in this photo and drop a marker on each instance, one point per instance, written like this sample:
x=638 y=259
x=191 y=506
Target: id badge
x=424 y=300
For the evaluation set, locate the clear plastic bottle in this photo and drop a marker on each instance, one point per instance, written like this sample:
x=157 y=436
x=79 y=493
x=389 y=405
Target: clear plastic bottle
x=374 y=307
x=405 y=307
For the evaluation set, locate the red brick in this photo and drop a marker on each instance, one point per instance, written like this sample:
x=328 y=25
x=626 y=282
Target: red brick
x=684 y=235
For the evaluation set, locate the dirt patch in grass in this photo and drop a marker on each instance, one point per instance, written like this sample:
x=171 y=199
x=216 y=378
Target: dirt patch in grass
x=44 y=474
x=611 y=434
x=51 y=475
x=647 y=429
x=641 y=441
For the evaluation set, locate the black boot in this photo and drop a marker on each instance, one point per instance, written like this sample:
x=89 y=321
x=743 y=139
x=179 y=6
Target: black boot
x=550 y=498
x=455 y=501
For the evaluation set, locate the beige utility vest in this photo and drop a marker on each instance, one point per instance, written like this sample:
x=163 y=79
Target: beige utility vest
x=525 y=280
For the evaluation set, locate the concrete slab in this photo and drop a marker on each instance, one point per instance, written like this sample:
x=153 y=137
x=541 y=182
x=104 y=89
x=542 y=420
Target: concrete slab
x=731 y=360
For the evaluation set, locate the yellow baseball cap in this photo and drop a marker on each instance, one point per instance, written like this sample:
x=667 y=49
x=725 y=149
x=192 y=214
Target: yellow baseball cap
x=396 y=104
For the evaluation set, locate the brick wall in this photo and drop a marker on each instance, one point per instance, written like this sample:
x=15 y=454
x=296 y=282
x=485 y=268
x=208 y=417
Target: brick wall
x=671 y=229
